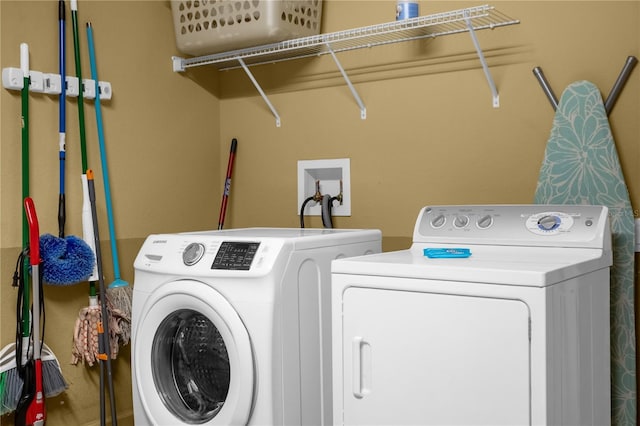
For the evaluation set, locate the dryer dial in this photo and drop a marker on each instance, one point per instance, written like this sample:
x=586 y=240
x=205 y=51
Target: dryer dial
x=485 y=221
x=193 y=253
x=438 y=221
x=461 y=221
x=549 y=223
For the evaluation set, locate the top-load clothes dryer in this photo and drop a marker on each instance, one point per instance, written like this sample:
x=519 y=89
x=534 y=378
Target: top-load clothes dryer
x=496 y=315
x=233 y=327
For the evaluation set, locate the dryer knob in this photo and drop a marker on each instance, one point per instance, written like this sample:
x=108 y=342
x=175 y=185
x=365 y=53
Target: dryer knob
x=485 y=221
x=461 y=221
x=549 y=222
x=438 y=221
x=193 y=253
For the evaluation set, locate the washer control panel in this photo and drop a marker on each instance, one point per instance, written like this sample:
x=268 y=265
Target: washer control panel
x=209 y=254
x=235 y=255
x=536 y=224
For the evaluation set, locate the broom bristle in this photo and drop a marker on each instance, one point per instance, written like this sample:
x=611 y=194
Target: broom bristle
x=12 y=391
x=52 y=379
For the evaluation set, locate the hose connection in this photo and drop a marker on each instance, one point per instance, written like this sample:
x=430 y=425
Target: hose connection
x=326 y=201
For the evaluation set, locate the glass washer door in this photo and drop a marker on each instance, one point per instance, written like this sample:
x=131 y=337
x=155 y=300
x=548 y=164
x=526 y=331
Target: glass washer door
x=194 y=363
x=190 y=366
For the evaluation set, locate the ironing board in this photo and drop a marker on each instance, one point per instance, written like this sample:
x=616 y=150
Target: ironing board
x=581 y=166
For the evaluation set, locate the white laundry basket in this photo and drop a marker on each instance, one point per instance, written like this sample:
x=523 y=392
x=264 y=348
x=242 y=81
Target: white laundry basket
x=210 y=26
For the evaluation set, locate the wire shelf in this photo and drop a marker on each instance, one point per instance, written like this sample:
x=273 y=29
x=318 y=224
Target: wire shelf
x=429 y=26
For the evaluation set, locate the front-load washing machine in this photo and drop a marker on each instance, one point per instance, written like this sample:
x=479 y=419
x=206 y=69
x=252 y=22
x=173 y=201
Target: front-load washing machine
x=233 y=327
x=496 y=315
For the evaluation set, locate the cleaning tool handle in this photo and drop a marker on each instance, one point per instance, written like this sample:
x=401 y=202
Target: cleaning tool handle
x=76 y=54
x=227 y=183
x=103 y=304
x=87 y=225
x=103 y=154
x=34 y=231
x=62 y=66
x=62 y=116
x=24 y=64
x=24 y=59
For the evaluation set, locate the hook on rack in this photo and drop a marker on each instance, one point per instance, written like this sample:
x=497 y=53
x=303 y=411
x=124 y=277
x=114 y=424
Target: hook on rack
x=629 y=64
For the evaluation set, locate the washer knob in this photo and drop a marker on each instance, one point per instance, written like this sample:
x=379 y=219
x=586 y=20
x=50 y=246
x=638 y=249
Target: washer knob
x=485 y=221
x=548 y=222
x=193 y=253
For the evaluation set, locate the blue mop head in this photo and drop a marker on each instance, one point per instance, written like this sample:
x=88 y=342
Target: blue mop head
x=65 y=261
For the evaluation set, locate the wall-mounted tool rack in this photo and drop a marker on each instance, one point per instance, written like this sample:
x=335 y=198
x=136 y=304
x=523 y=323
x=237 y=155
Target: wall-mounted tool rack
x=51 y=84
x=429 y=26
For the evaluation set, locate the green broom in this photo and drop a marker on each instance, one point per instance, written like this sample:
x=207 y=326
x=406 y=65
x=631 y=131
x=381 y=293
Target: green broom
x=12 y=382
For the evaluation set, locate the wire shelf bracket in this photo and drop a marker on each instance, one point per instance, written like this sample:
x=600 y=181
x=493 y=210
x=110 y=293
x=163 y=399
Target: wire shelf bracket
x=483 y=61
x=257 y=86
x=430 y=26
x=363 y=109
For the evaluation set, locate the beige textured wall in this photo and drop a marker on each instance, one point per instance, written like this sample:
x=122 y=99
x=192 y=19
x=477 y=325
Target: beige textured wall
x=161 y=135
x=431 y=135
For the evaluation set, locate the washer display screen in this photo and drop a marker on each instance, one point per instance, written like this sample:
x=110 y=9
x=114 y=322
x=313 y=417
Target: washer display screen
x=235 y=255
x=190 y=366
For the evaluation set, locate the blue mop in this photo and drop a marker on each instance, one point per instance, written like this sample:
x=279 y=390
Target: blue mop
x=65 y=260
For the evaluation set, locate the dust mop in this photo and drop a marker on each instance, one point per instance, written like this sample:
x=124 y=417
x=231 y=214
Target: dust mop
x=119 y=291
x=67 y=260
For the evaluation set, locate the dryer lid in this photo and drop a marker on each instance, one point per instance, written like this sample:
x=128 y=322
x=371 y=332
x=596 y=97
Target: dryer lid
x=524 y=266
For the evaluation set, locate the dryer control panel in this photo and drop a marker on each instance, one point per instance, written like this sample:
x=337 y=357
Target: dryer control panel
x=529 y=225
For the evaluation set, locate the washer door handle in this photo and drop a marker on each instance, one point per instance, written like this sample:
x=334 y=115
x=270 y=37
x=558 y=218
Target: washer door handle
x=361 y=377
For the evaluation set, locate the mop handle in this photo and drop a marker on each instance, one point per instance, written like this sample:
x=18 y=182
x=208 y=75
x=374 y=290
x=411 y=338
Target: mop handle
x=103 y=154
x=62 y=117
x=227 y=183
x=76 y=54
x=103 y=303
